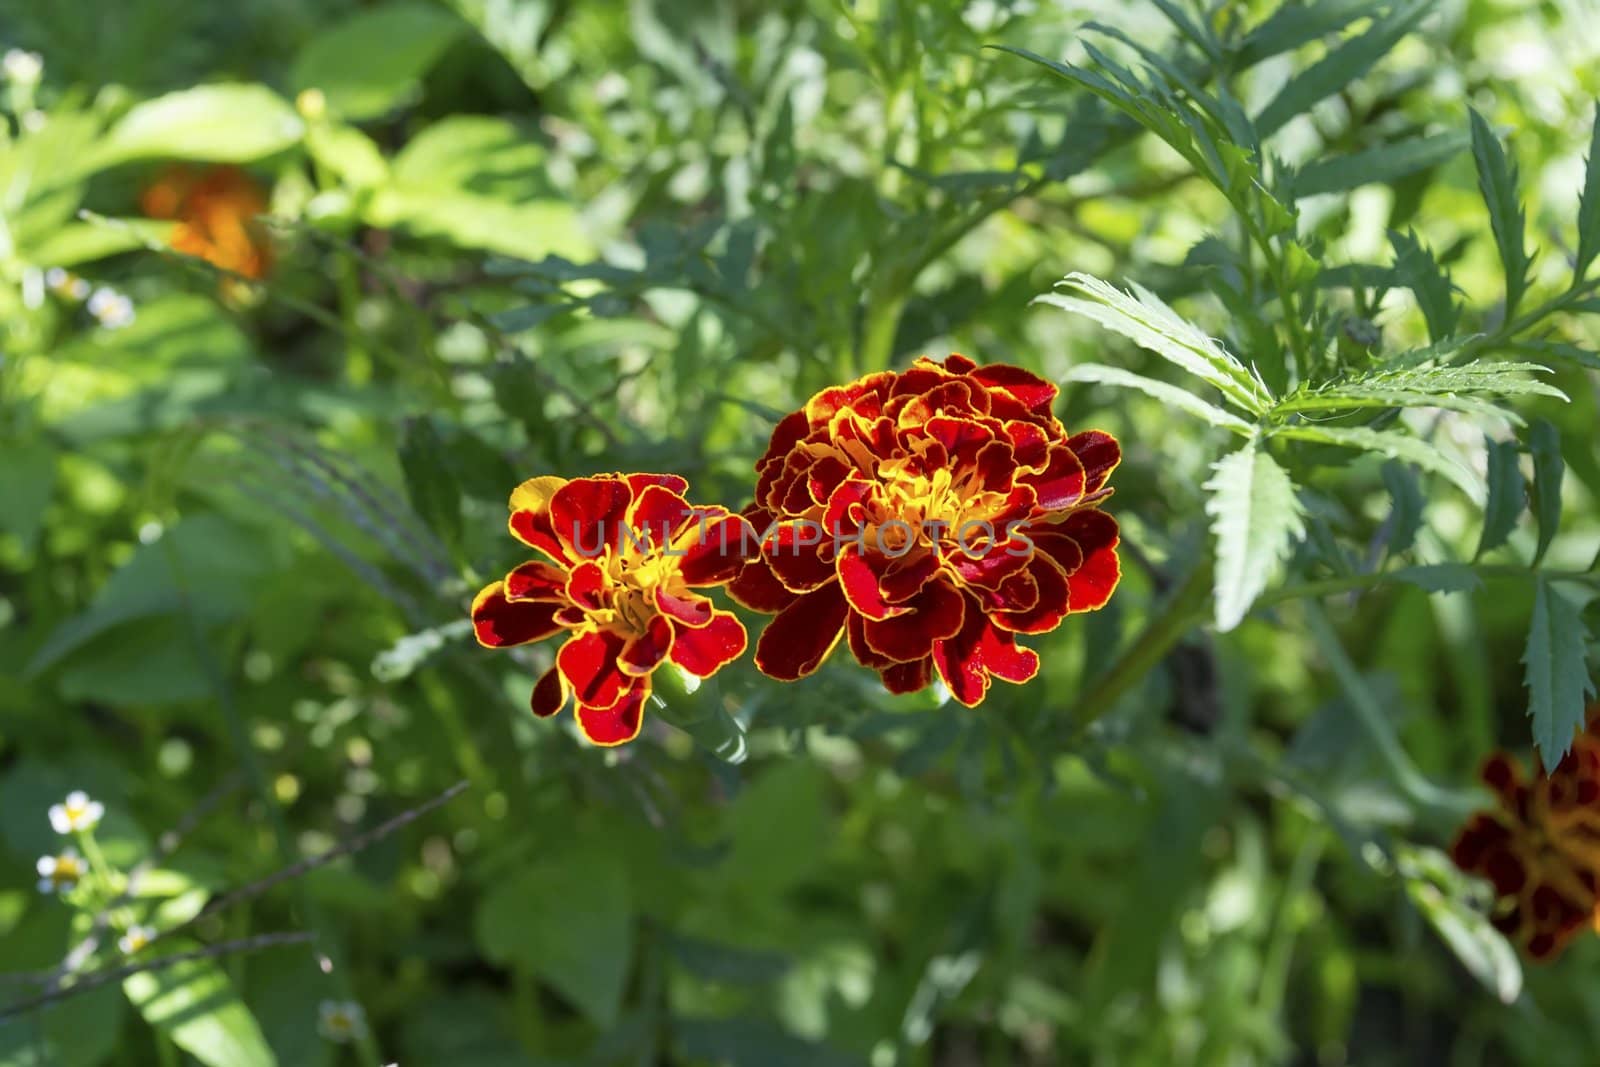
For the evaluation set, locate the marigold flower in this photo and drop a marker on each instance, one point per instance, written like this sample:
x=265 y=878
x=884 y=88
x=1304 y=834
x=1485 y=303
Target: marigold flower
x=62 y=872
x=217 y=211
x=625 y=554
x=1540 y=847
x=928 y=517
x=77 y=814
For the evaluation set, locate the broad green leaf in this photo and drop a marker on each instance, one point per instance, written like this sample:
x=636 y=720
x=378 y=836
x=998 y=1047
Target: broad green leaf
x=1293 y=25
x=84 y=242
x=347 y=153
x=1497 y=179
x=474 y=154
x=223 y=123
x=1341 y=66
x=1381 y=164
x=1544 y=442
x=195 y=1005
x=1589 y=206
x=1255 y=517
x=1143 y=318
x=529 y=231
x=1392 y=443
x=371 y=62
x=568 y=919
x=515 y=30
x=1440 y=893
x=1557 y=676
x=1507 y=495
x=1417 y=270
x=1172 y=395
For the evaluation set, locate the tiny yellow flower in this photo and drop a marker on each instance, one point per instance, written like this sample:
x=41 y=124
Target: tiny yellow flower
x=60 y=873
x=77 y=814
x=135 y=939
x=341 y=1021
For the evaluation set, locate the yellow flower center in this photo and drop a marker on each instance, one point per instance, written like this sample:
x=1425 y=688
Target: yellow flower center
x=67 y=872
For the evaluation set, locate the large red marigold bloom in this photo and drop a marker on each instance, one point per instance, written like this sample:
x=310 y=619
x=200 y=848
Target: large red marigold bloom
x=624 y=554
x=218 y=212
x=1540 y=847
x=929 y=516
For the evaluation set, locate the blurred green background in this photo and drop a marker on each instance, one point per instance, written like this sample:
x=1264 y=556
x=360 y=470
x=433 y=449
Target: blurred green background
x=241 y=516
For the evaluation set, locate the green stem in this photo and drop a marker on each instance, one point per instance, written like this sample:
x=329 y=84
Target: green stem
x=1182 y=611
x=882 y=322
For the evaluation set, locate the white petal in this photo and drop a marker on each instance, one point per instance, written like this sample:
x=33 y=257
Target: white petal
x=77 y=798
x=60 y=822
x=46 y=866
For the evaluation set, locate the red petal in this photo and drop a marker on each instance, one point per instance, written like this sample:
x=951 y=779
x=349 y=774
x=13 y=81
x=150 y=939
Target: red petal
x=795 y=554
x=861 y=584
x=501 y=623
x=956 y=363
x=907 y=576
x=705 y=650
x=588 y=513
x=1060 y=484
x=978 y=653
x=549 y=694
x=656 y=515
x=795 y=643
x=1051 y=607
x=758 y=589
x=1099 y=453
x=1092 y=584
x=908 y=677
x=936 y=613
x=1028 y=444
x=619 y=723
x=993 y=567
x=864 y=653
x=721 y=543
x=644 y=652
x=691 y=610
x=533 y=529
x=589 y=662
x=1032 y=391
x=586 y=583
x=536 y=580
x=675 y=483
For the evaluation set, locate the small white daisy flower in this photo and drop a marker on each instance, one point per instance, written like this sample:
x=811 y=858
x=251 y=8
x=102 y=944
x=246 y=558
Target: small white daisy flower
x=77 y=814
x=341 y=1021
x=22 y=68
x=135 y=939
x=113 y=309
x=66 y=284
x=60 y=873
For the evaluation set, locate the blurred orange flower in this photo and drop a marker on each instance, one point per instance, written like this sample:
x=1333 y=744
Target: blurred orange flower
x=217 y=210
x=625 y=553
x=1540 y=847
x=928 y=517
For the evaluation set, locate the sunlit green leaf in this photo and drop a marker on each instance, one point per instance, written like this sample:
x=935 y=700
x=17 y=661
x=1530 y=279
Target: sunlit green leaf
x=1557 y=676
x=1497 y=180
x=1255 y=517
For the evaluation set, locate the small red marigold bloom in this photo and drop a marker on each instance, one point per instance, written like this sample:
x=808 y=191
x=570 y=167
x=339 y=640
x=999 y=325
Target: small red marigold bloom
x=1540 y=847
x=928 y=517
x=217 y=210
x=624 y=554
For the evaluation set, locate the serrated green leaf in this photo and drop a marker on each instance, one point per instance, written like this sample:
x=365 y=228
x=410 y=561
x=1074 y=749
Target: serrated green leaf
x=223 y=123
x=1294 y=25
x=1451 y=388
x=1143 y=318
x=1255 y=516
x=1405 y=520
x=1549 y=468
x=1391 y=443
x=195 y=1005
x=1381 y=164
x=1497 y=180
x=1507 y=495
x=1557 y=676
x=1341 y=66
x=1172 y=395
x=1558 y=350
x=1440 y=893
x=1589 y=206
x=1440 y=577
x=1417 y=270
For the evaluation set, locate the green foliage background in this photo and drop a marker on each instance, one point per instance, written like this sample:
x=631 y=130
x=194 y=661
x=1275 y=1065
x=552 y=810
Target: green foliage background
x=1359 y=501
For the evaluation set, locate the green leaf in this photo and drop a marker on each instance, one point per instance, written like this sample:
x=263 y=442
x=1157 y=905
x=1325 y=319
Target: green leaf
x=1557 y=676
x=1171 y=395
x=1544 y=442
x=741 y=1042
x=530 y=230
x=195 y=1006
x=1558 y=350
x=1450 y=388
x=1406 y=519
x=1589 y=206
x=1391 y=443
x=1381 y=164
x=84 y=242
x=1440 y=577
x=1143 y=318
x=516 y=31
x=371 y=62
x=1497 y=180
x=1440 y=893
x=1293 y=25
x=27 y=481
x=223 y=123
x=1341 y=66
x=347 y=153
x=568 y=920
x=1507 y=495
x=429 y=482
x=1417 y=270
x=1255 y=516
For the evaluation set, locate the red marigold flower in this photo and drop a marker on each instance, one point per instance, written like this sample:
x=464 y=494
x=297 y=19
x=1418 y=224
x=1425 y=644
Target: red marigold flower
x=625 y=553
x=1540 y=847
x=217 y=211
x=928 y=517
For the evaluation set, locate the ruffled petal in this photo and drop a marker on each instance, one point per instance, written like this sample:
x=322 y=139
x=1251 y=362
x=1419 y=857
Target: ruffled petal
x=799 y=638
x=704 y=650
x=501 y=623
x=619 y=723
x=589 y=663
